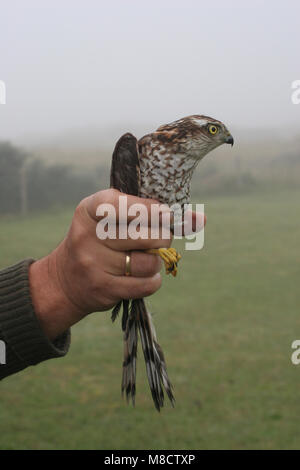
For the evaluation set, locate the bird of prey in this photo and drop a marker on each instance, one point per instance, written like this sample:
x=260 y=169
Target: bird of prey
x=159 y=166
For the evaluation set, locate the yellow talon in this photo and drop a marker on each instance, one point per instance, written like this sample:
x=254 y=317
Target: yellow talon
x=170 y=256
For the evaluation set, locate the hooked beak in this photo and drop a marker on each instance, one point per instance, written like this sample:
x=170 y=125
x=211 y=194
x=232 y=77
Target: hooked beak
x=229 y=140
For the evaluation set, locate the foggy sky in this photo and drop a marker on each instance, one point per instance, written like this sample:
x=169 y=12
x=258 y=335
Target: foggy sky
x=80 y=64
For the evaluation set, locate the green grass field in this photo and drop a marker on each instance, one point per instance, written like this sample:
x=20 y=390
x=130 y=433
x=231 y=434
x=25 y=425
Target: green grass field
x=226 y=324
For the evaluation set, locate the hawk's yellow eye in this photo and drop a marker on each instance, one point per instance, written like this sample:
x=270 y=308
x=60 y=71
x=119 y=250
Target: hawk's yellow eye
x=213 y=130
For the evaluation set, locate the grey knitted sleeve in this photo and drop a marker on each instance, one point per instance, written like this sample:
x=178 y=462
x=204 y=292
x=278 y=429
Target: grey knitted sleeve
x=22 y=340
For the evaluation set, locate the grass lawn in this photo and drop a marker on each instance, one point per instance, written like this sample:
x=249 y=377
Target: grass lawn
x=226 y=324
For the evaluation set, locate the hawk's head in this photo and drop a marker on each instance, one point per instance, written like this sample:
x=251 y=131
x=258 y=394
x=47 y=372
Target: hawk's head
x=194 y=136
x=169 y=156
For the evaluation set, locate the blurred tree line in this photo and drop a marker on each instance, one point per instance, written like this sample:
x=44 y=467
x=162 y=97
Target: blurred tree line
x=27 y=183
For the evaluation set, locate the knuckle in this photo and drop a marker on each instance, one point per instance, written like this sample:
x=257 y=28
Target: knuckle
x=80 y=209
x=77 y=236
x=85 y=263
x=108 y=196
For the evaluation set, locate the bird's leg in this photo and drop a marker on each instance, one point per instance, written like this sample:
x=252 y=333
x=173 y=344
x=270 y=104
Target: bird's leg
x=170 y=257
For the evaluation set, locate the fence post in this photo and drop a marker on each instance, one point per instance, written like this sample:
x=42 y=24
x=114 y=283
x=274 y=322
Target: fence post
x=23 y=189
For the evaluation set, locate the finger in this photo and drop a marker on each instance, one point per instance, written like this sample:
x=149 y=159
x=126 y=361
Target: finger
x=122 y=206
x=135 y=287
x=133 y=237
x=130 y=244
x=141 y=264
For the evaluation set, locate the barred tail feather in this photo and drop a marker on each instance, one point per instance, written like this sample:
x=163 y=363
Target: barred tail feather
x=165 y=378
x=154 y=358
x=136 y=318
x=152 y=365
x=130 y=328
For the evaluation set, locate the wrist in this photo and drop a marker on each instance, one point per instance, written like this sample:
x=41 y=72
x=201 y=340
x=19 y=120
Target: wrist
x=54 y=310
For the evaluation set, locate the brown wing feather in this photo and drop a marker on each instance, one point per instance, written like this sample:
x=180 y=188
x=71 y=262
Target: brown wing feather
x=125 y=167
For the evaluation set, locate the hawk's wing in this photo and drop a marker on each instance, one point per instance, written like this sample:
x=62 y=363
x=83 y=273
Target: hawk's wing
x=125 y=167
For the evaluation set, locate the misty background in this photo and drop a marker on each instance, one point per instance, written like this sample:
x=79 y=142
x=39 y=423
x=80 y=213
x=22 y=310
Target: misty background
x=78 y=74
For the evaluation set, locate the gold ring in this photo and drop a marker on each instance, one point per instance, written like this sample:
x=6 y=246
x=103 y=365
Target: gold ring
x=128 y=265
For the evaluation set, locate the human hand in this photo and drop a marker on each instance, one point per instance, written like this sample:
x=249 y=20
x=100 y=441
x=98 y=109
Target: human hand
x=85 y=274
